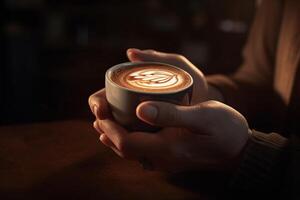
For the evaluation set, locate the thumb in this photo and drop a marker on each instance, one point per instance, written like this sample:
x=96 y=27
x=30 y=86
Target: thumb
x=166 y=114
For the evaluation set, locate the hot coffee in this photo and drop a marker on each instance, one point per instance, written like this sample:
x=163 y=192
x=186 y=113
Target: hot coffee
x=129 y=84
x=151 y=78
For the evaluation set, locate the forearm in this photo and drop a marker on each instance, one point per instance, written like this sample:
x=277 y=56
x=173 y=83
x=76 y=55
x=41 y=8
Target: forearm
x=257 y=102
x=250 y=89
x=226 y=90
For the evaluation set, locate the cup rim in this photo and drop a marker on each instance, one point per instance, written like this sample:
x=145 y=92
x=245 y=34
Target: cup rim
x=126 y=64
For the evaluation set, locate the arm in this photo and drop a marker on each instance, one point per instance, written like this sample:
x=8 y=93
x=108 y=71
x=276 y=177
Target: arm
x=250 y=89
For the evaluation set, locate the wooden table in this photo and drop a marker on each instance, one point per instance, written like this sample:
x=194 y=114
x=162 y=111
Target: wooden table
x=65 y=160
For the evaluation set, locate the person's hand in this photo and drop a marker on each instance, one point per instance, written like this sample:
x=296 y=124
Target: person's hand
x=200 y=89
x=204 y=136
x=209 y=135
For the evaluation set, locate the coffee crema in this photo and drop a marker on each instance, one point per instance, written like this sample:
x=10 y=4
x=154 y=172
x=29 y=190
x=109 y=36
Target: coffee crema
x=151 y=78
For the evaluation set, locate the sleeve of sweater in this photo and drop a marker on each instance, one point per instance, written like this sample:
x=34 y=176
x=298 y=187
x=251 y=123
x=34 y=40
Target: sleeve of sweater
x=262 y=164
x=250 y=91
x=250 y=88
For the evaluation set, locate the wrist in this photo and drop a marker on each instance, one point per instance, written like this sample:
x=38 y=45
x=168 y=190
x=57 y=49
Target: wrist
x=238 y=159
x=261 y=164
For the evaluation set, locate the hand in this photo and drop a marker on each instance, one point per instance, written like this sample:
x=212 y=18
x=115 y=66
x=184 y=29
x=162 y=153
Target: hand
x=200 y=85
x=209 y=135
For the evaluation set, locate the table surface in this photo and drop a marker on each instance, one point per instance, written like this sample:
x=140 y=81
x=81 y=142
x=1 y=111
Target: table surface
x=56 y=160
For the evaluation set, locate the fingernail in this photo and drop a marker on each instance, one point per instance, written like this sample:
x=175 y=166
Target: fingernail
x=149 y=112
x=133 y=49
x=95 y=124
x=99 y=128
x=101 y=136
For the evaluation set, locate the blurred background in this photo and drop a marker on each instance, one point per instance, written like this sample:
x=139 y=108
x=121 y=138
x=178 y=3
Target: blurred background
x=54 y=54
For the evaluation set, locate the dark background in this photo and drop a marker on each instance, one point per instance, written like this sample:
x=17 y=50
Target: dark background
x=54 y=53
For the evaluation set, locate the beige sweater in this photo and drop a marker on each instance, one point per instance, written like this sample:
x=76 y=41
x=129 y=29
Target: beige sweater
x=266 y=89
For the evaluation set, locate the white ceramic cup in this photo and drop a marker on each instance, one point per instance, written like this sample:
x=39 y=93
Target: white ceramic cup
x=123 y=101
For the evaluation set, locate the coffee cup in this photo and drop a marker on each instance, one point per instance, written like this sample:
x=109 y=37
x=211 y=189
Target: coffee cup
x=129 y=84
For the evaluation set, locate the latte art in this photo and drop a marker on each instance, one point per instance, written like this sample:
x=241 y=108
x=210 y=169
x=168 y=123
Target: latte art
x=129 y=84
x=152 y=78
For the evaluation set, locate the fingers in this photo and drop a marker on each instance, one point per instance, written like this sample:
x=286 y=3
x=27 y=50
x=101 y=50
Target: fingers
x=99 y=105
x=114 y=136
x=130 y=145
x=135 y=55
x=113 y=131
x=106 y=141
x=200 y=84
x=169 y=115
x=103 y=138
x=96 y=126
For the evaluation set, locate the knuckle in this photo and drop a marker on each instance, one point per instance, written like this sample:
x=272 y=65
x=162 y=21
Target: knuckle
x=91 y=104
x=211 y=104
x=172 y=115
x=180 y=57
x=198 y=106
x=150 y=51
x=175 y=116
x=96 y=97
x=91 y=99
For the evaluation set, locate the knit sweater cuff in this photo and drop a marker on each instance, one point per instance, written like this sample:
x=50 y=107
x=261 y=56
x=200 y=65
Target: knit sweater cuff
x=262 y=163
